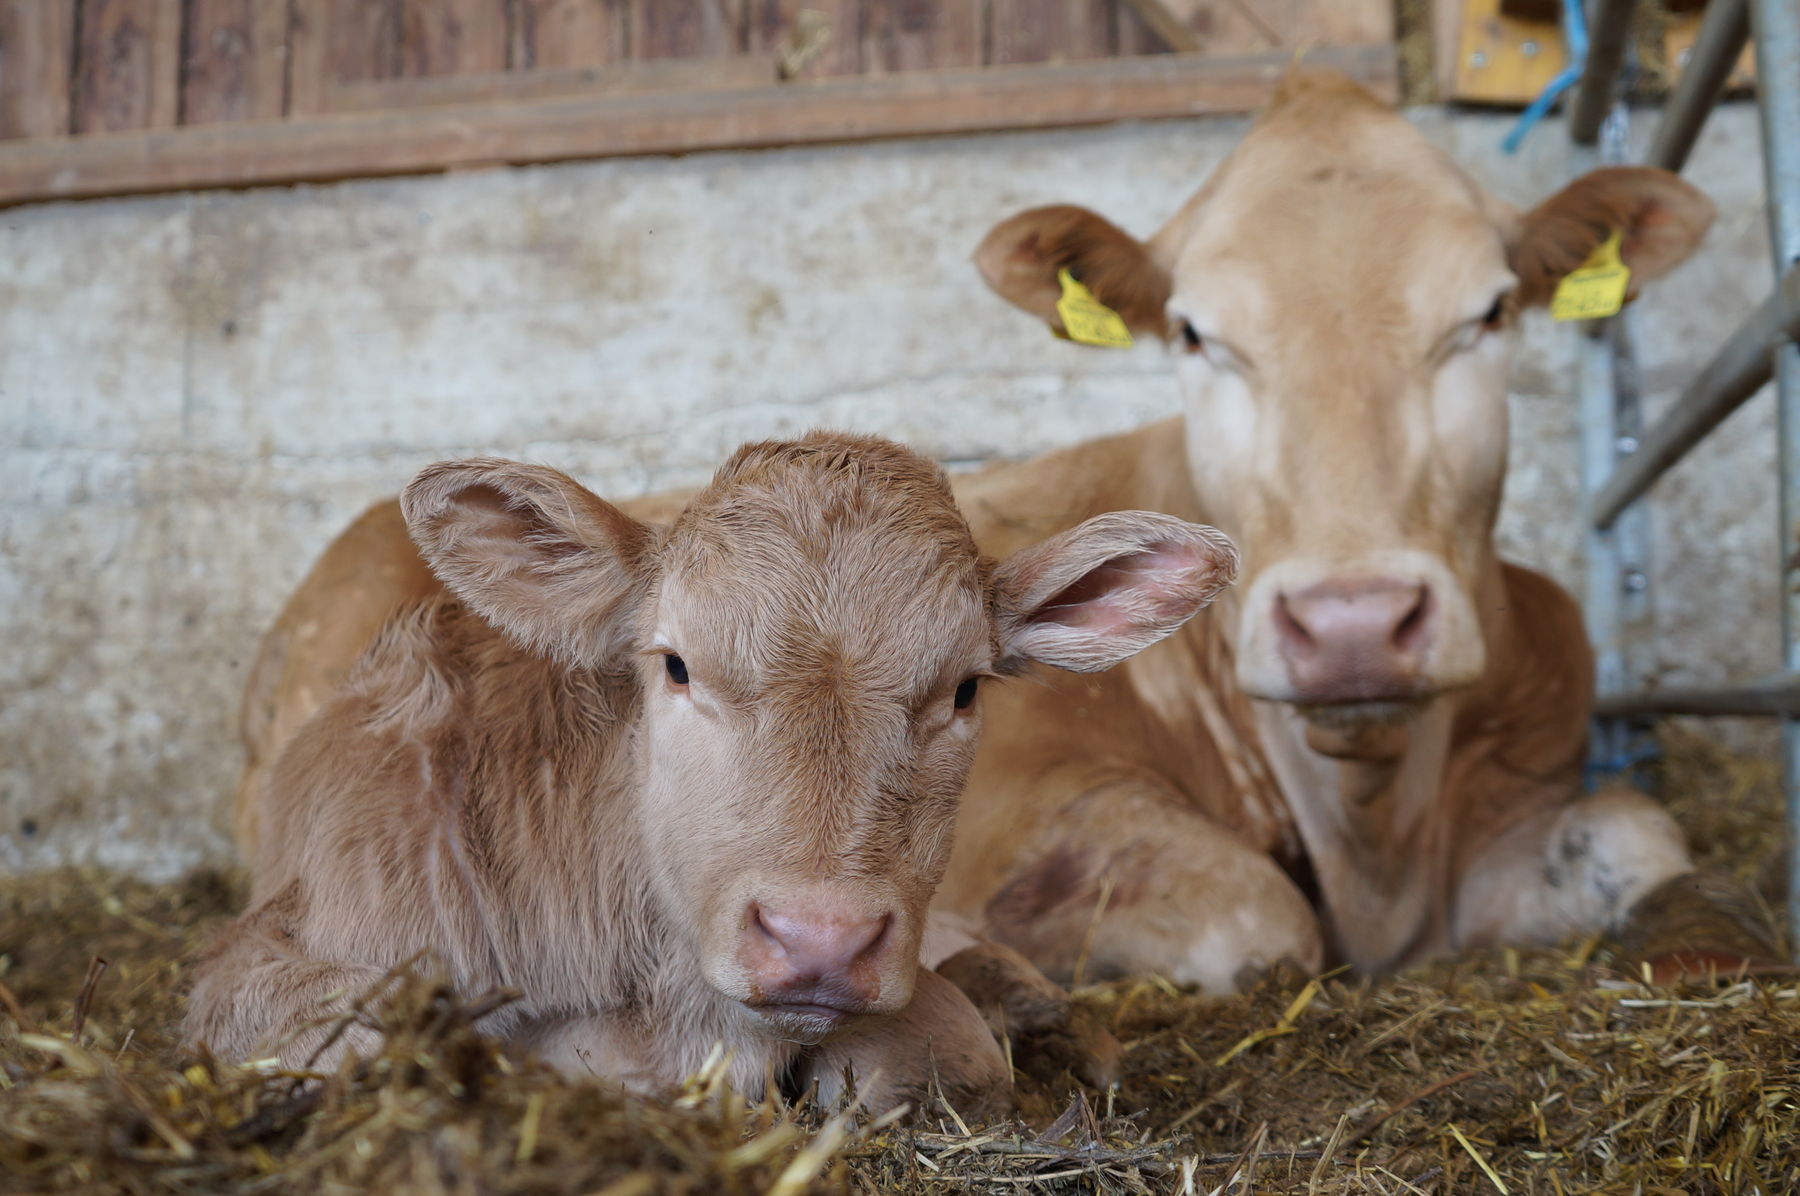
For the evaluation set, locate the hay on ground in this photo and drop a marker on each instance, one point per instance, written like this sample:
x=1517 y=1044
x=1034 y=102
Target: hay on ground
x=1534 y=1071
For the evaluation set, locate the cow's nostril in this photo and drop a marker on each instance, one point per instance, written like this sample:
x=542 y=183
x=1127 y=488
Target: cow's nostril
x=1410 y=630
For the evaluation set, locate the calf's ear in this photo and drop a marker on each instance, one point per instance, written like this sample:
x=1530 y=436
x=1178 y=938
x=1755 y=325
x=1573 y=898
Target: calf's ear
x=533 y=552
x=1020 y=258
x=1660 y=219
x=1108 y=588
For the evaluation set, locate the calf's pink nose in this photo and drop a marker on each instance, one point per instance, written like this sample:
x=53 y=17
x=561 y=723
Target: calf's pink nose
x=1354 y=639
x=815 y=955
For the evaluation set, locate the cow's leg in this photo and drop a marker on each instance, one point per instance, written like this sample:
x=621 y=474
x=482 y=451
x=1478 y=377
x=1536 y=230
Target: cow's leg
x=937 y=1044
x=1613 y=862
x=253 y=992
x=1126 y=878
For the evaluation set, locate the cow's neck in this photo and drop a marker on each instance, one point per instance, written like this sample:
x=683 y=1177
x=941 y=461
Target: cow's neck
x=1377 y=838
x=1375 y=828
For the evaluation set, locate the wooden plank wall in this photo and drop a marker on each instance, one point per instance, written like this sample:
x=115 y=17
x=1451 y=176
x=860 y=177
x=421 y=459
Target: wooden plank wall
x=109 y=66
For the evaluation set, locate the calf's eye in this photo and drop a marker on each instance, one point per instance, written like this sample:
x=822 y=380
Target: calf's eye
x=1495 y=314
x=965 y=693
x=677 y=668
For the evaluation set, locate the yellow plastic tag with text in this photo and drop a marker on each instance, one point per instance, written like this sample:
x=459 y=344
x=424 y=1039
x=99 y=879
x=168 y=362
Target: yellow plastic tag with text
x=1594 y=289
x=1088 y=320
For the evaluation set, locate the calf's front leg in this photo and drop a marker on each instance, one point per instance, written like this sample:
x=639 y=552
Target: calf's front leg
x=255 y=992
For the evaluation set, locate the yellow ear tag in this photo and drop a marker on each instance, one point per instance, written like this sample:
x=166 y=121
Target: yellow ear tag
x=1594 y=289
x=1088 y=320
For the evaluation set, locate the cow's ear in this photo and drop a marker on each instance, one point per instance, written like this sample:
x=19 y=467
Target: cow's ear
x=1108 y=588
x=1660 y=219
x=533 y=552
x=1021 y=257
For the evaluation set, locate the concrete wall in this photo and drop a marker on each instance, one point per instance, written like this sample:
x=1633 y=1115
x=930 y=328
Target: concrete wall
x=198 y=391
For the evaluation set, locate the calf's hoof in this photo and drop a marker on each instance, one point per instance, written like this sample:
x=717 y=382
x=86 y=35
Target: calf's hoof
x=1700 y=925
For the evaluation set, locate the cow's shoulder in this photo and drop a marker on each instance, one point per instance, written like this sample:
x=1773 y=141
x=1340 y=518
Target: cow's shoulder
x=1521 y=734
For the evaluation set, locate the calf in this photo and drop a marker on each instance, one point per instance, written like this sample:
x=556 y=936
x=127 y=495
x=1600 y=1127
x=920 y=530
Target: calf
x=676 y=785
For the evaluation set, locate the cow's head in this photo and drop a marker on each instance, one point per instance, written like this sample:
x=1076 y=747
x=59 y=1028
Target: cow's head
x=804 y=646
x=1340 y=300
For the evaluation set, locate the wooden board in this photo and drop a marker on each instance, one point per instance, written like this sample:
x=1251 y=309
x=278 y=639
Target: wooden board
x=127 y=66
x=1048 y=30
x=1258 y=26
x=686 y=28
x=619 y=78
x=431 y=139
x=339 y=41
x=1499 y=59
x=915 y=35
x=808 y=39
x=234 y=61
x=37 y=40
x=550 y=34
x=451 y=37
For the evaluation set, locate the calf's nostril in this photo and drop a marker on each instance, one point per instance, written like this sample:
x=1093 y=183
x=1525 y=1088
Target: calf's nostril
x=760 y=927
x=1291 y=629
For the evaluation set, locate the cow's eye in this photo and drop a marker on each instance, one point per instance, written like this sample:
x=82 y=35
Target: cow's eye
x=965 y=693
x=676 y=668
x=1495 y=315
x=1191 y=339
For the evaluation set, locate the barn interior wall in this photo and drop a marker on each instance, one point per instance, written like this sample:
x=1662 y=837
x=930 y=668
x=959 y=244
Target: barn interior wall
x=197 y=391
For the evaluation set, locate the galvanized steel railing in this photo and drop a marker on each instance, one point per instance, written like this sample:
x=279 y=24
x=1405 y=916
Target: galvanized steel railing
x=1620 y=459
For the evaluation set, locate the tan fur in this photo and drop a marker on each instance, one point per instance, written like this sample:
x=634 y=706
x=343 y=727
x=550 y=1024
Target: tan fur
x=509 y=778
x=1177 y=814
x=1196 y=812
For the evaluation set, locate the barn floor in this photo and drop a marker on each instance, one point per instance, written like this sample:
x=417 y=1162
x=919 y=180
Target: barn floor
x=1533 y=1071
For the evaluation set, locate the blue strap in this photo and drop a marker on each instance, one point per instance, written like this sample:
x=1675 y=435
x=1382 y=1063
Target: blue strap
x=1575 y=37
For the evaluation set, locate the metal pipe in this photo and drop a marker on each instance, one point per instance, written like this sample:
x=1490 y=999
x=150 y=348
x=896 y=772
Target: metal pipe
x=1735 y=373
x=1606 y=51
x=1723 y=32
x=1776 y=695
x=1776 y=24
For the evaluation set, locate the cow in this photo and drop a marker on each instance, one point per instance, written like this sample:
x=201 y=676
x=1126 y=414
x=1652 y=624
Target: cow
x=1371 y=752
x=675 y=784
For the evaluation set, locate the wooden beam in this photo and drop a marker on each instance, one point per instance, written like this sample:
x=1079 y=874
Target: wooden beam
x=620 y=78
x=809 y=39
x=432 y=139
x=37 y=39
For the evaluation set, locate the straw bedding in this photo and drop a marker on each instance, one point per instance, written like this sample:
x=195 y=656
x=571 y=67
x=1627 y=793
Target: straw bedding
x=1519 y=1071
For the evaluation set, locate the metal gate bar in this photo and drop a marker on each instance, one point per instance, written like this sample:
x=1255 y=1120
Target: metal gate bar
x=1619 y=465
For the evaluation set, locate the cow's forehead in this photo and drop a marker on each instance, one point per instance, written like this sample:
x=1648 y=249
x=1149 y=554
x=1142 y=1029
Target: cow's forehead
x=1345 y=201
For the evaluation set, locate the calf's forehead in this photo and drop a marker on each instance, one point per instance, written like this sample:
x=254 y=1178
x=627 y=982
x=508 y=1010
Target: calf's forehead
x=886 y=591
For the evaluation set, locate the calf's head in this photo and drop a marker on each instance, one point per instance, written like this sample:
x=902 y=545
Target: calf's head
x=803 y=648
x=1340 y=300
